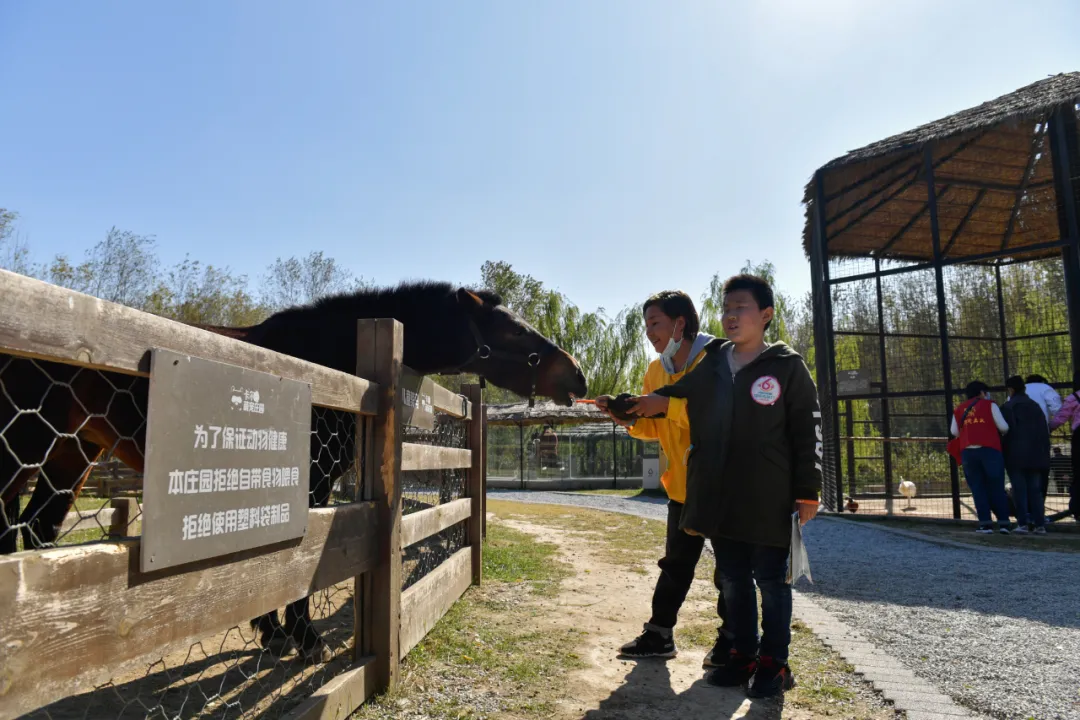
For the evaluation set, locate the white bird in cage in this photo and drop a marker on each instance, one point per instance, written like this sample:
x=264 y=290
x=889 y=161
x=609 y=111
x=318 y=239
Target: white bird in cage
x=908 y=490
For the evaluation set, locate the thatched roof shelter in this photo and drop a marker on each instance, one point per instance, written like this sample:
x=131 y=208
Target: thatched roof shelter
x=543 y=413
x=993 y=172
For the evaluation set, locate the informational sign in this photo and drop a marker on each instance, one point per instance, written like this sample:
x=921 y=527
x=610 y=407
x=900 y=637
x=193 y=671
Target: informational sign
x=852 y=382
x=416 y=393
x=227 y=460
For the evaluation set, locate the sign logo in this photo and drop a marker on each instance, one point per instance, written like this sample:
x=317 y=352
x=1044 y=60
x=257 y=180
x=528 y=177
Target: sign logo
x=765 y=390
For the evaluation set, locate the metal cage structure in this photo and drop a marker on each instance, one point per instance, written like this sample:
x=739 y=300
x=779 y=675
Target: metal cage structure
x=942 y=255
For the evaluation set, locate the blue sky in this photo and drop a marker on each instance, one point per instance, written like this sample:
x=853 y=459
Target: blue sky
x=610 y=148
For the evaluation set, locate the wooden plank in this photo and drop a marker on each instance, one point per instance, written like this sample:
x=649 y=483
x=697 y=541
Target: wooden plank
x=432 y=457
x=441 y=399
x=71 y=618
x=420 y=525
x=384 y=352
x=427 y=601
x=451 y=403
x=41 y=320
x=338 y=698
x=476 y=482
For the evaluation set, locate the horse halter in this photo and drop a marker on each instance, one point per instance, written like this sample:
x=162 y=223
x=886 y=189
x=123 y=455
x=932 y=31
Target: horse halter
x=485 y=352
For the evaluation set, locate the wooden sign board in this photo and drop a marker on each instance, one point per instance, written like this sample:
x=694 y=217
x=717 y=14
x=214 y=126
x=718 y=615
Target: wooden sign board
x=852 y=382
x=416 y=395
x=228 y=454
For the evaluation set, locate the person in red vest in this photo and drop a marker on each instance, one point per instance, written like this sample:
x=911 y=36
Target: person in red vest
x=978 y=425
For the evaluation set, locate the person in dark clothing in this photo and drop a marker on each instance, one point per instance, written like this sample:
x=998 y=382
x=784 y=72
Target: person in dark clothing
x=754 y=460
x=1027 y=455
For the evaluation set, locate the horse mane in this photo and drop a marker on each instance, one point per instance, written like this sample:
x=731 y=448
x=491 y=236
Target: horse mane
x=414 y=290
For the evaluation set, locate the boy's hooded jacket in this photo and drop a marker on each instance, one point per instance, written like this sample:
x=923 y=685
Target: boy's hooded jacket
x=755 y=444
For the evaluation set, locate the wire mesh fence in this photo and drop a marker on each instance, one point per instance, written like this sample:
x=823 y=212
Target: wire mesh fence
x=556 y=452
x=424 y=489
x=1002 y=319
x=71 y=444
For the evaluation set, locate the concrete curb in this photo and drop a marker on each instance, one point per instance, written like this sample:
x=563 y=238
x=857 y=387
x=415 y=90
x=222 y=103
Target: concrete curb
x=888 y=676
x=916 y=535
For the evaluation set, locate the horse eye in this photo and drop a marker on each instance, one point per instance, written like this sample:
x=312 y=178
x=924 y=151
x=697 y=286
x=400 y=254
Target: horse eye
x=519 y=332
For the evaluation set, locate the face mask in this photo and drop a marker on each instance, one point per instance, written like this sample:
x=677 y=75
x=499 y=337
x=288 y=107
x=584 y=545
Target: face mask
x=673 y=346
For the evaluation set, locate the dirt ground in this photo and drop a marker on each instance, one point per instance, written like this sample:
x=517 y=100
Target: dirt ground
x=610 y=602
x=607 y=602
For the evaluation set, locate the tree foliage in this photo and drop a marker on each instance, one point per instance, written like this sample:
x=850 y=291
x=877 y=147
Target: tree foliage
x=712 y=304
x=299 y=281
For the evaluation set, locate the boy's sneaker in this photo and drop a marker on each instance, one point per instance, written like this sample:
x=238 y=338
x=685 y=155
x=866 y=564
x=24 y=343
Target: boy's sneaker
x=985 y=530
x=736 y=671
x=772 y=678
x=1004 y=530
x=1041 y=530
x=650 y=644
x=718 y=656
x=1021 y=530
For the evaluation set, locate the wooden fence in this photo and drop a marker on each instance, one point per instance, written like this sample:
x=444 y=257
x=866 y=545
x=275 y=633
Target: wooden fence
x=73 y=617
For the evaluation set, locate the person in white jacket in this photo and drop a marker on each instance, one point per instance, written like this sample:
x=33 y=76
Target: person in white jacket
x=1039 y=390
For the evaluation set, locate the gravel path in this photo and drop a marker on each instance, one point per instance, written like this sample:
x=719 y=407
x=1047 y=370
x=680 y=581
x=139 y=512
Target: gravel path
x=999 y=632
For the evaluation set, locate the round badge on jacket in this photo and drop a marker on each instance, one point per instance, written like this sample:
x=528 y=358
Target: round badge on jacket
x=765 y=390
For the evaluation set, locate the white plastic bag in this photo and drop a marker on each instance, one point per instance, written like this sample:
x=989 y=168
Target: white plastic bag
x=799 y=563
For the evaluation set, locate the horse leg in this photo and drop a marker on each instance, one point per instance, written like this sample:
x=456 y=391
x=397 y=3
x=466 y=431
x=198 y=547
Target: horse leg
x=298 y=624
x=30 y=418
x=272 y=636
x=10 y=517
x=60 y=481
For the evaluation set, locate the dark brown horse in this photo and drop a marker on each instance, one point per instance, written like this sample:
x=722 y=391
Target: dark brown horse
x=56 y=419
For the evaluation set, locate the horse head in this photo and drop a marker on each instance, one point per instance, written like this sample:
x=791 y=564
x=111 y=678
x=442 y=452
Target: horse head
x=502 y=347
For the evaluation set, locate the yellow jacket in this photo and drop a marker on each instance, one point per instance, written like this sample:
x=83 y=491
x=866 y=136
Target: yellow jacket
x=672 y=430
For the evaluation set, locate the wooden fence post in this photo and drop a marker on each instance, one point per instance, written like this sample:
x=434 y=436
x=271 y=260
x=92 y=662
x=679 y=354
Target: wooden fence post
x=476 y=480
x=379 y=352
x=483 y=488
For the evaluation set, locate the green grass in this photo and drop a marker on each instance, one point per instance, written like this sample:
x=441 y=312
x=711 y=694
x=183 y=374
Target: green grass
x=511 y=556
x=489 y=640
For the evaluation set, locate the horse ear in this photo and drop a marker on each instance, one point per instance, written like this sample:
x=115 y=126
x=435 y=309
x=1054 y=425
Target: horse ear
x=469 y=300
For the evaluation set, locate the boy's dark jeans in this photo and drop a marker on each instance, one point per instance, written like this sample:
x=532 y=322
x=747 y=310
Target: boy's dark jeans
x=739 y=565
x=1027 y=496
x=681 y=554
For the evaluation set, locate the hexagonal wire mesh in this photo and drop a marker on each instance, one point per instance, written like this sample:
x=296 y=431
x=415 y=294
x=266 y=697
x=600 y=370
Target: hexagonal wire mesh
x=424 y=489
x=70 y=444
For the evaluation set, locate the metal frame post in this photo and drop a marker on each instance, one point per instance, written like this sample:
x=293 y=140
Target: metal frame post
x=819 y=260
x=849 y=421
x=886 y=424
x=614 y=460
x=943 y=318
x=1001 y=325
x=1065 y=148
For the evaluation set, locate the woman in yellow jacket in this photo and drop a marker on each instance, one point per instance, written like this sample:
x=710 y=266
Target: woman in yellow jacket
x=673 y=328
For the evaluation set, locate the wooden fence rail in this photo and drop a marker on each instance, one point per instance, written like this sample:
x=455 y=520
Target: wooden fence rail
x=73 y=617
